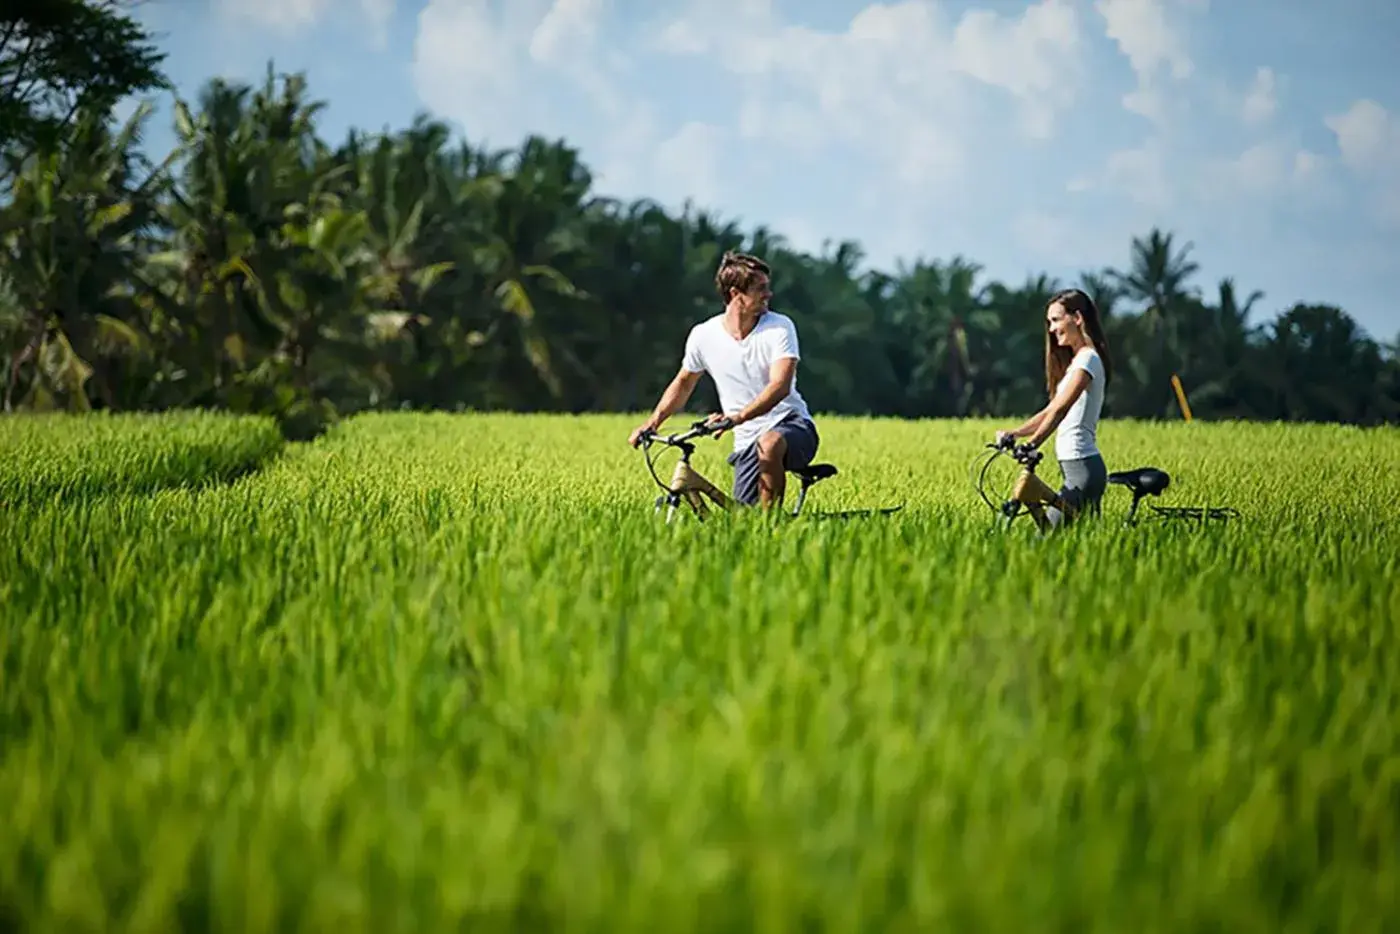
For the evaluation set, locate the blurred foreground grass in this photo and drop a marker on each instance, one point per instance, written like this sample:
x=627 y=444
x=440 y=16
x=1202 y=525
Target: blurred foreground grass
x=437 y=671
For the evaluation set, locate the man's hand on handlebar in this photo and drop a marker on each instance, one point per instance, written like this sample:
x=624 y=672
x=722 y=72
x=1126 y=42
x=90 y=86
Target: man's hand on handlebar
x=712 y=425
x=720 y=422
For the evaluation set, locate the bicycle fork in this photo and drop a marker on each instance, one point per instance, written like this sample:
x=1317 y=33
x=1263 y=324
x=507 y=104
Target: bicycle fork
x=691 y=487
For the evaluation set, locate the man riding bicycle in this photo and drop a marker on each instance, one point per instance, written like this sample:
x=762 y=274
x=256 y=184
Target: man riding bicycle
x=751 y=353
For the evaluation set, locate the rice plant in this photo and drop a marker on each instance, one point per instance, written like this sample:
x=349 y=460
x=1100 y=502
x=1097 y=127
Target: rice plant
x=440 y=671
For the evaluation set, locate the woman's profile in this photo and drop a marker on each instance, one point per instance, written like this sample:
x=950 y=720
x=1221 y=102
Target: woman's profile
x=1077 y=369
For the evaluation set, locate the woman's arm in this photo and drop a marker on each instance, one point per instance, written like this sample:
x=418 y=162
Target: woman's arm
x=1025 y=428
x=1030 y=424
x=1055 y=412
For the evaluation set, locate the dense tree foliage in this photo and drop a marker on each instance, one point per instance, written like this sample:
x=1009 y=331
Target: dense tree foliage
x=58 y=57
x=259 y=267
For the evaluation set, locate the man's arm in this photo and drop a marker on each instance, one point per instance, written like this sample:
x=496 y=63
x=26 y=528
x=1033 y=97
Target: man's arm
x=780 y=377
x=678 y=391
x=675 y=397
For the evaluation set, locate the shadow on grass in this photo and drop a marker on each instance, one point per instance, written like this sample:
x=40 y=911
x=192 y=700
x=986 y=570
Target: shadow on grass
x=102 y=482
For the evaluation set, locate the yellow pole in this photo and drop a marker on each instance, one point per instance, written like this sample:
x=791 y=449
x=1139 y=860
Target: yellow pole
x=1181 y=397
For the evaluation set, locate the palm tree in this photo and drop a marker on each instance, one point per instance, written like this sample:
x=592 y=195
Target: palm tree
x=1158 y=279
x=76 y=224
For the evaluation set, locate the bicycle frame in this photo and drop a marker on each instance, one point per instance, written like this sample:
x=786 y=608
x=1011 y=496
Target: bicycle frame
x=1029 y=493
x=689 y=485
x=1033 y=494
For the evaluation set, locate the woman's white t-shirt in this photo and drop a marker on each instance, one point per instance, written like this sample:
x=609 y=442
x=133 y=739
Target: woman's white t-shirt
x=1077 y=435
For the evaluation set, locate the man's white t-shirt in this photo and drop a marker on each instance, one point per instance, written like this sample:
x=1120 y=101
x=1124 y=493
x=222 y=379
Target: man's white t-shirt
x=1077 y=435
x=740 y=368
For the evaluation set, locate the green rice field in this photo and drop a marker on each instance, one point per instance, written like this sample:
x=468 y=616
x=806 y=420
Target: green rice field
x=451 y=672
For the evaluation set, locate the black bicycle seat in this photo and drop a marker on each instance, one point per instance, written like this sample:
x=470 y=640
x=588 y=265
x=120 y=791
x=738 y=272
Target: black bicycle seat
x=1145 y=481
x=814 y=472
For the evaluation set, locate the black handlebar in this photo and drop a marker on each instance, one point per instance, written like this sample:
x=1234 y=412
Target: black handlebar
x=1021 y=453
x=682 y=441
x=698 y=429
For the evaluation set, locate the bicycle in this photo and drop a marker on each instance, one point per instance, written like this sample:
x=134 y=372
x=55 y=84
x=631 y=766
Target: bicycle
x=692 y=488
x=1032 y=495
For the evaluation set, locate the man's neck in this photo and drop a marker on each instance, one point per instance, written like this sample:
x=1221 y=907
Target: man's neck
x=739 y=323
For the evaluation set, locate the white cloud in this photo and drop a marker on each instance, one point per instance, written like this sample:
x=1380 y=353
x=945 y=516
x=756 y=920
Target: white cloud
x=1063 y=239
x=293 y=16
x=1146 y=35
x=1306 y=165
x=1271 y=166
x=378 y=12
x=473 y=64
x=1040 y=231
x=898 y=84
x=1146 y=101
x=1169 y=176
x=798 y=126
x=1261 y=100
x=880 y=86
x=1153 y=42
x=1140 y=174
x=804 y=235
x=1035 y=58
x=488 y=67
x=1368 y=139
x=459 y=55
x=1175 y=170
x=912 y=127
x=735 y=31
x=568 y=23
x=687 y=162
x=285 y=16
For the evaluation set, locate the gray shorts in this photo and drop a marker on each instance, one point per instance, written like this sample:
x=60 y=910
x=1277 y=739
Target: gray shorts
x=1085 y=482
x=802 y=443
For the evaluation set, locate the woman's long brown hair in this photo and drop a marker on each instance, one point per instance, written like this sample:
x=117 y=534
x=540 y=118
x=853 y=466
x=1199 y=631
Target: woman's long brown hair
x=1057 y=357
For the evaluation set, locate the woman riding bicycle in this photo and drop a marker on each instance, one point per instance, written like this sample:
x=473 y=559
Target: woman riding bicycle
x=1077 y=369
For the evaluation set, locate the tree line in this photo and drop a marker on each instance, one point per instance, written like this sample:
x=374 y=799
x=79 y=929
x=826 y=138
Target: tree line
x=258 y=267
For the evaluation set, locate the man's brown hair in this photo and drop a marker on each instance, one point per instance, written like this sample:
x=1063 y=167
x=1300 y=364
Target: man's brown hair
x=739 y=271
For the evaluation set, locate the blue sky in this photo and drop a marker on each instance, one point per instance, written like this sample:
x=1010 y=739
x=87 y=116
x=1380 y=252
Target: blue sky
x=1027 y=136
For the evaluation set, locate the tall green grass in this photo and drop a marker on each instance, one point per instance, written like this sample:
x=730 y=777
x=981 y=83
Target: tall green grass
x=451 y=672
x=70 y=457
